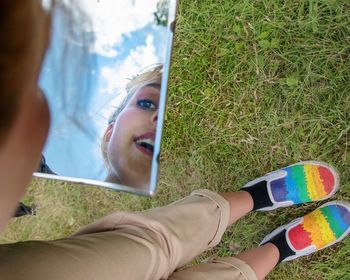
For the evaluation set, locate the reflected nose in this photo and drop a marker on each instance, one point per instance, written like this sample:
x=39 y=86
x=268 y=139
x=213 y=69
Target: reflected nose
x=154 y=117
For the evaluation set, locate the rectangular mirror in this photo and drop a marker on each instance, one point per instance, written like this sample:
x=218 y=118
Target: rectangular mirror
x=105 y=78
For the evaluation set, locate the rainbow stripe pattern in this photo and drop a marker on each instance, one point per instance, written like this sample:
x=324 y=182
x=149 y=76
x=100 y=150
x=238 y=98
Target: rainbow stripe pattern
x=303 y=183
x=321 y=228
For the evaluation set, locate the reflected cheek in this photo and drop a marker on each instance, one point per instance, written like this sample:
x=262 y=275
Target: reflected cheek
x=122 y=153
x=133 y=119
x=120 y=141
x=128 y=124
x=123 y=129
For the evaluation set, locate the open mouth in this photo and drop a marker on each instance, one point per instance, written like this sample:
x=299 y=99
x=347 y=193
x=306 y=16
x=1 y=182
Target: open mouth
x=145 y=143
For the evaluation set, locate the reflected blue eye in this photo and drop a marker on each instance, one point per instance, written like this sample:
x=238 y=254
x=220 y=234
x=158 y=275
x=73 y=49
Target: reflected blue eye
x=146 y=104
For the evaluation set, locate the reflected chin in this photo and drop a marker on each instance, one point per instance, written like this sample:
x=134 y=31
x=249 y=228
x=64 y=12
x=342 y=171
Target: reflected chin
x=144 y=184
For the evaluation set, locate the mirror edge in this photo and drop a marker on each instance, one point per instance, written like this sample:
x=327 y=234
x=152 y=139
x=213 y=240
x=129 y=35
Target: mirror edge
x=163 y=97
x=94 y=183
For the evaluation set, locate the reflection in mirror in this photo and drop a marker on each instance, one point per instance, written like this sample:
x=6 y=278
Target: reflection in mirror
x=128 y=140
x=105 y=80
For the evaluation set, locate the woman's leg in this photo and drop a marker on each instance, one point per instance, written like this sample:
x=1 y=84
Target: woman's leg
x=253 y=264
x=261 y=259
x=241 y=203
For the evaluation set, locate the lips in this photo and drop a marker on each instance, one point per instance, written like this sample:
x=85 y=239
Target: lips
x=145 y=143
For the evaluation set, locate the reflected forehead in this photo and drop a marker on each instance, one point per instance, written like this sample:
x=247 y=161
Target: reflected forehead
x=154 y=85
x=153 y=89
x=147 y=91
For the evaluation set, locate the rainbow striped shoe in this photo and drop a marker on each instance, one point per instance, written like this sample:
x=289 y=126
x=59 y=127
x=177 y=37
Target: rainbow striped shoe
x=302 y=182
x=325 y=226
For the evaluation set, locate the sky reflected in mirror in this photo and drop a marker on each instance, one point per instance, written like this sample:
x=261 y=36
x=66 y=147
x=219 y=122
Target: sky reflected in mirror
x=108 y=43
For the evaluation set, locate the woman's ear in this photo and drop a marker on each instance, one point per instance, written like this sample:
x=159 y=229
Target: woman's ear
x=106 y=138
x=108 y=132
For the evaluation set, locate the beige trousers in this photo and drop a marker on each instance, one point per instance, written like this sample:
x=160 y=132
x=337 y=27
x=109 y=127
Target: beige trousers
x=152 y=245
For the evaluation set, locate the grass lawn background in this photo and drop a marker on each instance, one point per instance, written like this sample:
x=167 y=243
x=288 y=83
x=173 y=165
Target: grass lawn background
x=254 y=86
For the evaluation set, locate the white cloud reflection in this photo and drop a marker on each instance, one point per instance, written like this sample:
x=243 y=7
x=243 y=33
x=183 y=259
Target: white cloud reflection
x=124 y=43
x=115 y=77
x=110 y=20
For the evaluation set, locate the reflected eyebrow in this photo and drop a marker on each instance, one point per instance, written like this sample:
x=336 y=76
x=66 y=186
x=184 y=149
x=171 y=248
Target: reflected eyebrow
x=154 y=85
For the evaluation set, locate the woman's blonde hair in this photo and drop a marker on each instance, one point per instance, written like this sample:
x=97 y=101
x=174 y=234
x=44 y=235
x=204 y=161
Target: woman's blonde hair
x=150 y=75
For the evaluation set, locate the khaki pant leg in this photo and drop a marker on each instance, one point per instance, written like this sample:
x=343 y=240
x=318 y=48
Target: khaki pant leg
x=219 y=269
x=181 y=230
x=98 y=256
x=147 y=245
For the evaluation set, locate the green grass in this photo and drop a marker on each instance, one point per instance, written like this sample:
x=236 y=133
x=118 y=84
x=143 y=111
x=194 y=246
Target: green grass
x=255 y=85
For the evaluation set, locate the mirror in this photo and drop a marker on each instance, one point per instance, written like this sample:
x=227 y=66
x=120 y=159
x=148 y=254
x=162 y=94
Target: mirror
x=105 y=78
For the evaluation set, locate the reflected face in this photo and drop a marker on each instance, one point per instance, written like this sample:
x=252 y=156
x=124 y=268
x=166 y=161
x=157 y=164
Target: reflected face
x=131 y=139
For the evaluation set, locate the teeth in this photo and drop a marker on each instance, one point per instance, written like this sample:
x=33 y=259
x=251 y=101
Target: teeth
x=145 y=141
